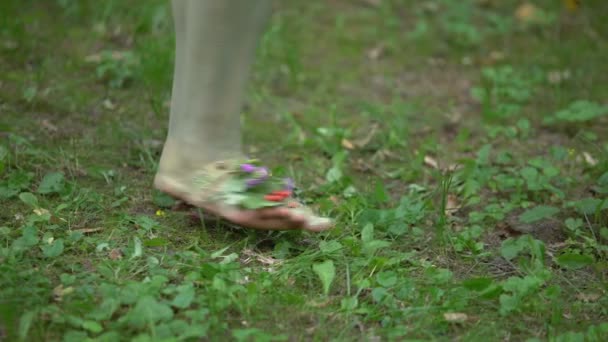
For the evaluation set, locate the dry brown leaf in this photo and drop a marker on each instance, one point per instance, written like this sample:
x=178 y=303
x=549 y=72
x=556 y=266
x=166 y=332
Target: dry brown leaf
x=267 y=260
x=589 y=159
x=455 y=317
x=452 y=205
x=588 y=297
x=59 y=292
x=557 y=76
x=40 y=211
x=347 y=144
x=108 y=104
x=432 y=162
x=360 y=143
x=376 y=52
x=48 y=125
x=89 y=230
x=264 y=259
x=525 y=12
x=115 y=254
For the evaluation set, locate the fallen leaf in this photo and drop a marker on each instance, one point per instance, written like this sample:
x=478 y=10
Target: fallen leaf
x=588 y=297
x=432 y=162
x=525 y=12
x=115 y=254
x=264 y=259
x=88 y=230
x=108 y=104
x=455 y=317
x=347 y=144
x=557 y=76
x=41 y=211
x=59 y=292
x=589 y=159
x=48 y=125
x=364 y=141
x=375 y=53
x=452 y=205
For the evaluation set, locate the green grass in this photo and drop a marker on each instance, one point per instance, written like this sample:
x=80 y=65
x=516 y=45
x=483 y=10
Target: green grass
x=505 y=239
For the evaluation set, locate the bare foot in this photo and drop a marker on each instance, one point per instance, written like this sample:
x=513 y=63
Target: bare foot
x=290 y=217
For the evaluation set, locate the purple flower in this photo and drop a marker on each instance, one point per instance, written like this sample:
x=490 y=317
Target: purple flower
x=262 y=172
x=253 y=182
x=248 y=168
x=289 y=184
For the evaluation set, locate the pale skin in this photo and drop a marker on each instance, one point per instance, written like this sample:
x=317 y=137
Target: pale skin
x=215 y=45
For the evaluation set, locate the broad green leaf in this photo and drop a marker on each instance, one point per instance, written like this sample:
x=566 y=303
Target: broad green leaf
x=331 y=246
x=511 y=247
x=256 y=201
x=326 y=273
x=53 y=250
x=234 y=185
x=439 y=275
x=379 y=293
x=92 y=326
x=349 y=303
x=156 y=242
x=483 y=155
x=380 y=194
x=162 y=200
x=574 y=261
x=25 y=322
x=581 y=111
x=590 y=205
x=219 y=253
x=194 y=331
x=508 y=304
x=29 y=238
x=372 y=246
x=52 y=182
x=477 y=284
x=387 y=278
x=149 y=311
x=538 y=213
x=110 y=336
x=145 y=222
x=105 y=310
x=74 y=336
x=334 y=174
x=184 y=297
x=367 y=234
x=29 y=199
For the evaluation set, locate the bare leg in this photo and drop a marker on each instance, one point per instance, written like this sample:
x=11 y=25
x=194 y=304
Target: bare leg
x=215 y=46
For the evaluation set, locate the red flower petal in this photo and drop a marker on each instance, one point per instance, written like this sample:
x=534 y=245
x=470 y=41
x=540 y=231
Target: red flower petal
x=274 y=198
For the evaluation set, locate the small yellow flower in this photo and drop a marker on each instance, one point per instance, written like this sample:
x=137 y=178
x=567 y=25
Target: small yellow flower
x=571 y=152
x=160 y=213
